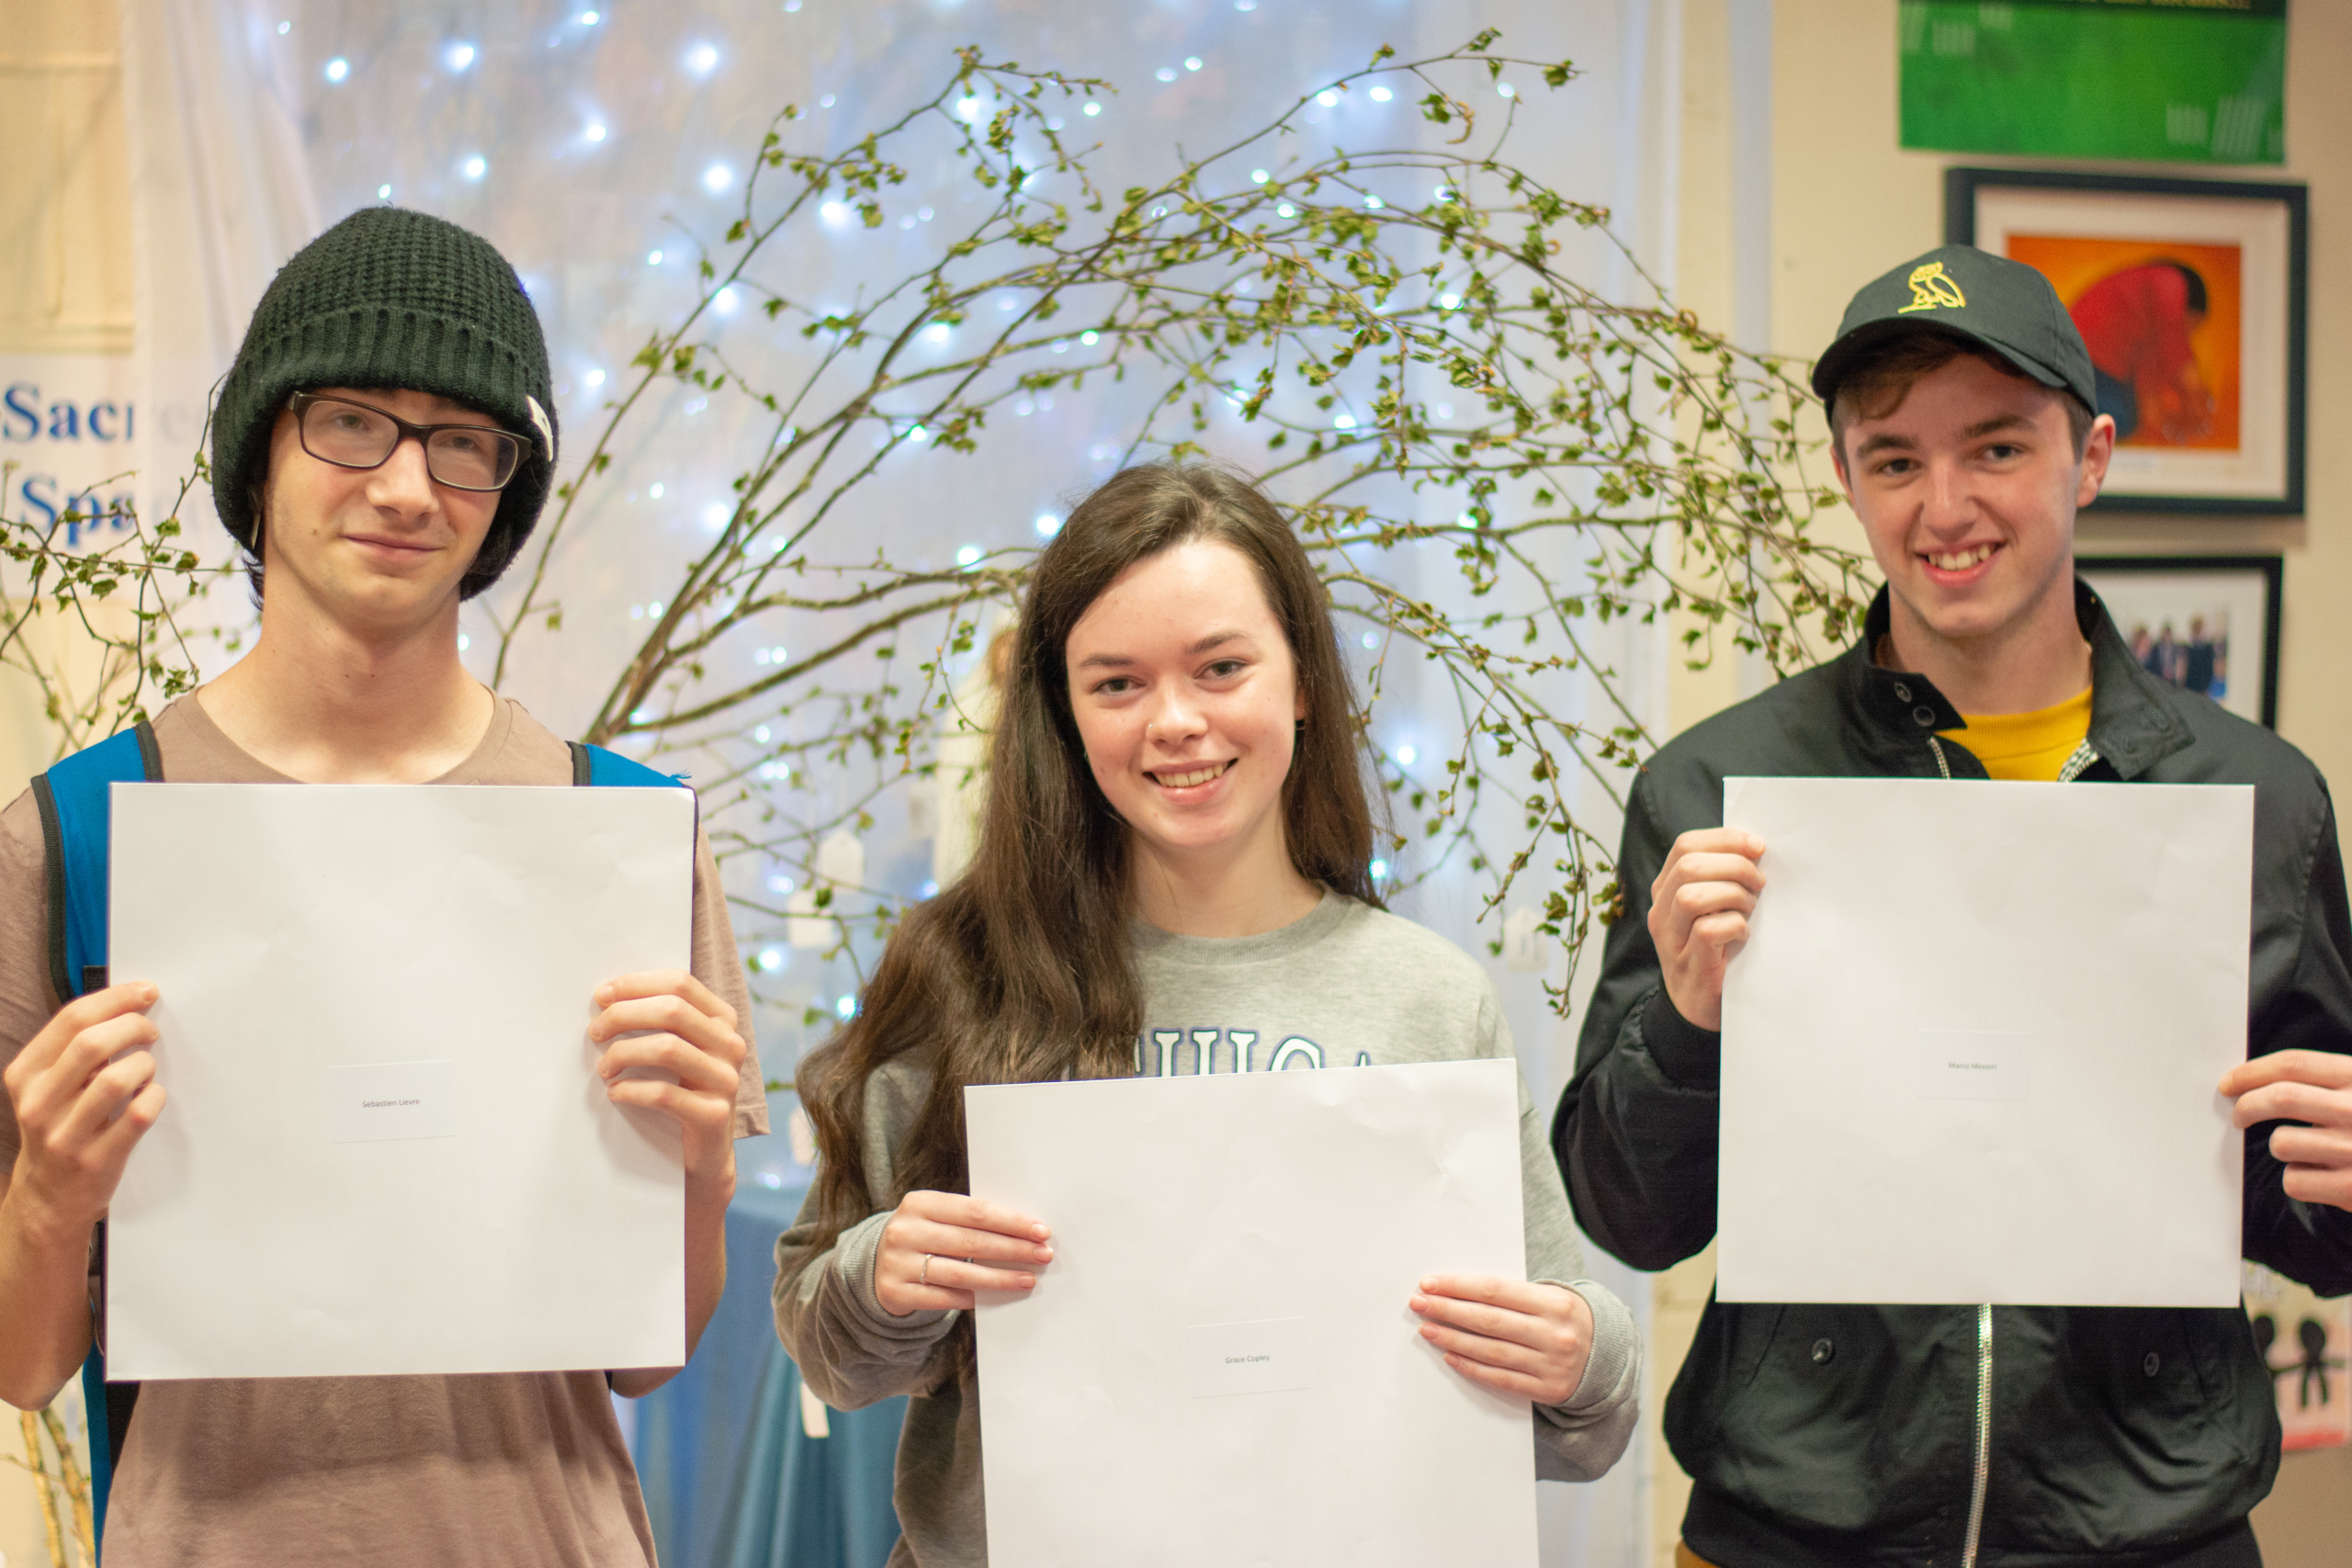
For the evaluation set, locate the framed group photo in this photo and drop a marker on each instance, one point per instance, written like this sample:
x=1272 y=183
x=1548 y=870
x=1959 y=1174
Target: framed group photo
x=2190 y=294
x=2206 y=624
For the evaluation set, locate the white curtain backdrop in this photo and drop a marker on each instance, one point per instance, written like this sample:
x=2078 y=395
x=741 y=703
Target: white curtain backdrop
x=220 y=196
x=219 y=193
x=596 y=143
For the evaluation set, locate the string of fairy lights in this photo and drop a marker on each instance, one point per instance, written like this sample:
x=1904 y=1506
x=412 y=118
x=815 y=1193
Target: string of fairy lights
x=495 y=120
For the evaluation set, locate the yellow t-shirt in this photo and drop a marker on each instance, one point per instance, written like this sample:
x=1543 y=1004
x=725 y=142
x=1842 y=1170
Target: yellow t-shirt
x=2029 y=746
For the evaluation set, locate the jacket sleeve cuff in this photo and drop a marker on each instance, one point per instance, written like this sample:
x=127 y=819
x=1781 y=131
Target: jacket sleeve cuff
x=1688 y=1056
x=855 y=1255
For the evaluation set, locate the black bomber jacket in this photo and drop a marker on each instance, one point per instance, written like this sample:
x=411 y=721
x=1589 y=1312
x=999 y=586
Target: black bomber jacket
x=1825 y=1436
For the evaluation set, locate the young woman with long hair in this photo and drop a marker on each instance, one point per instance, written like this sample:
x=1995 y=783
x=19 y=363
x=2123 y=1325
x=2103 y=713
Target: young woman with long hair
x=1176 y=828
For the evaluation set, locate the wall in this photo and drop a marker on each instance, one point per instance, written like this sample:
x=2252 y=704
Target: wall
x=64 y=290
x=1846 y=203
x=65 y=240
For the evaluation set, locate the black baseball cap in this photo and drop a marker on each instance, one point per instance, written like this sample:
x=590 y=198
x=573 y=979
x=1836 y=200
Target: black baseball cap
x=2003 y=305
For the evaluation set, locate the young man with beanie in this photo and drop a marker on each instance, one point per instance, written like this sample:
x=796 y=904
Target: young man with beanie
x=1961 y=401
x=382 y=449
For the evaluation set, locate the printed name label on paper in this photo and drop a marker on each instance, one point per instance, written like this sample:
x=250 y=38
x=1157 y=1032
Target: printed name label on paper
x=392 y=1100
x=1251 y=1357
x=1966 y=1063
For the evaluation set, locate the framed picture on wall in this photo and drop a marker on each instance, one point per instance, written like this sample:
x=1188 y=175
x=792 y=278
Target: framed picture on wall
x=2209 y=624
x=2190 y=294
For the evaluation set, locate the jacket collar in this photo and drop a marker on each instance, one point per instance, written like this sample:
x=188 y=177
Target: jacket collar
x=2133 y=723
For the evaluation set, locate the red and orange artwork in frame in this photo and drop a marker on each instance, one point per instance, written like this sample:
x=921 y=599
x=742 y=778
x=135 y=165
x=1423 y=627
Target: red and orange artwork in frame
x=2162 y=322
x=2190 y=295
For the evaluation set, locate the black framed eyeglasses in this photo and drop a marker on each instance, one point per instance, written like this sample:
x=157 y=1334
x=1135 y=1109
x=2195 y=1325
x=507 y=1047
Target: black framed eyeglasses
x=360 y=435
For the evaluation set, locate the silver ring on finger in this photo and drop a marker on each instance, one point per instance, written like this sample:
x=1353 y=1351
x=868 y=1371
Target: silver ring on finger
x=924 y=1277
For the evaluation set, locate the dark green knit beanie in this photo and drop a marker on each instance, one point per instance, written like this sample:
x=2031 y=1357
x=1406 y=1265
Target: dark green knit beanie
x=393 y=298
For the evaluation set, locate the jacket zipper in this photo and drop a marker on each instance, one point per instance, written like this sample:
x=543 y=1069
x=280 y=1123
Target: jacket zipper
x=1984 y=1434
x=2081 y=758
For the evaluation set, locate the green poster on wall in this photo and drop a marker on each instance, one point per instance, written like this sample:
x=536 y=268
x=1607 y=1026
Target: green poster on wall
x=2183 y=81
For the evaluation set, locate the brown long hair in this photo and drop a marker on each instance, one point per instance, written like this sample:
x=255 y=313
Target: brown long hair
x=1024 y=971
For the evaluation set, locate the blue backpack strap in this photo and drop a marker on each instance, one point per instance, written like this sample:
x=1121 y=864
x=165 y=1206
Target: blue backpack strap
x=594 y=765
x=98 y=1400
x=75 y=799
x=76 y=815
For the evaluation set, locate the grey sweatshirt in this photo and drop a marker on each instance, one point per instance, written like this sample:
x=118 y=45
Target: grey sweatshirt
x=1345 y=985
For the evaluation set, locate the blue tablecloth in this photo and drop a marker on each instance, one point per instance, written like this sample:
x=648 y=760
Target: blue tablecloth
x=731 y=1479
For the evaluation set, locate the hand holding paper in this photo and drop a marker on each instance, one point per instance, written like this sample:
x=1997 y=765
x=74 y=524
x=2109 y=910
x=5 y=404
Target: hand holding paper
x=941 y=1247
x=671 y=1048
x=78 y=1117
x=2313 y=1088
x=1700 y=907
x=78 y=1113
x=1522 y=1340
x=666 y=1022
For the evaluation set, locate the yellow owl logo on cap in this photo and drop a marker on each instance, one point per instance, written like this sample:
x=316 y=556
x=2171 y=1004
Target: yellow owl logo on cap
x=1932 y=289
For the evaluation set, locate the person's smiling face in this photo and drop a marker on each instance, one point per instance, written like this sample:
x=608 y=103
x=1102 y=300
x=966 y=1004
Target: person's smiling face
x=1186 y=698
x=379 y=548
x=1967 y=490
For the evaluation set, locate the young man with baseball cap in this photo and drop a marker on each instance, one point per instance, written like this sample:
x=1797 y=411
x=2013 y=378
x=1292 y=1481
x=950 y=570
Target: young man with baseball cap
x=1961 y=401
x=382 y=449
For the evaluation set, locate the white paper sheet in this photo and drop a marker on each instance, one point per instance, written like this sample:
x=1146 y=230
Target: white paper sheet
x=1969 y=1049
x=386 y=1149
x=1219 y=1366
